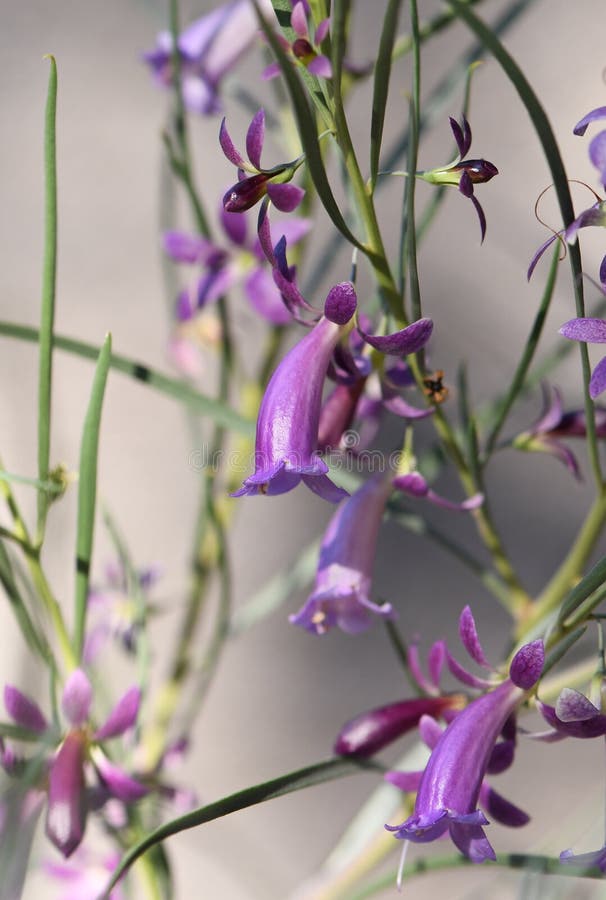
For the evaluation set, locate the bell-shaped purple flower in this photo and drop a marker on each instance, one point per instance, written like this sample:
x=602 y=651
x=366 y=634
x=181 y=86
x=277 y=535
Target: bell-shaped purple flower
x=287 y=425
x=209 y=49
x=248 y=190
x=341 y=595
x=450 y=786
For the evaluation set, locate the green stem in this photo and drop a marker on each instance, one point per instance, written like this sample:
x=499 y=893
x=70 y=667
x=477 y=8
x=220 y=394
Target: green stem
x=523 y=366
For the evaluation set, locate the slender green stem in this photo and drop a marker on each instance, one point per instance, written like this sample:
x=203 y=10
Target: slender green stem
x=411 y=181
x=180 y=124
x=164 y=384
x=47 y=310
x=523 y=366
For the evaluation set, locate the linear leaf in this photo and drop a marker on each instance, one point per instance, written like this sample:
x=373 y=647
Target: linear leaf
x=594 y=579
x=269 y=790
x=49 y=279
x=164 y=384
x=87 y=492
x=381 y=85
x=36 y=641
x=308 y=134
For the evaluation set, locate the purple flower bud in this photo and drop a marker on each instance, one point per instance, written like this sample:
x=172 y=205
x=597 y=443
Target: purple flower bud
x=527 y=665
x=479 y=171
x=66 y=813
x=23 y=710
x=244 y=194
x=371 y=731
x=77 y=698
x=341 y=303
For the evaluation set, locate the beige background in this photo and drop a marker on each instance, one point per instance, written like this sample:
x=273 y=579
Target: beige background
x=282 y=695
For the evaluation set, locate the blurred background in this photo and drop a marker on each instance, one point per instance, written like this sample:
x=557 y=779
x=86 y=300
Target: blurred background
x=281 y=696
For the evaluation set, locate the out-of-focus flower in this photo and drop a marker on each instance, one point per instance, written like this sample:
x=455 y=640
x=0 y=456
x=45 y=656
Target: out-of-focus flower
x=589 y=331
x=303 y=49
x=465 y=173
x=67 y=800
x=451 y=785
x=85 y=876
x=113 y=610
x=208 y=49
x=341 y=595
x=248 y=190
x=553 y=423
x=241 y=261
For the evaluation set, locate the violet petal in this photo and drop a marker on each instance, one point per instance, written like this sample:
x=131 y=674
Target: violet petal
x=122 y=717
x=285 y=197
x=227 y=145
x=23 y=710
x=581 y=127
x=66 y=811
x=597 y=382
x=77 y=698
x=255 y=137
x=468 y=634
x=117 y=781
x=572 y=706
x=588 y=330
x=409 y=340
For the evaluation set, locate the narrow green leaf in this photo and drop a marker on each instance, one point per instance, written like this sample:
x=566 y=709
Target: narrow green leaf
x=164 y=384
x=562 y=649
x=381 y=85
x=586 y=586
x=87 y=492
x=49 y=279
x=269 y=790
x=277 y=590
x=308 y=134
x=35 y=640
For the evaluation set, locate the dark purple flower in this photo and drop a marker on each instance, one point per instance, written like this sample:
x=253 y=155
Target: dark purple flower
x=209 y=49
x=590 y=331
x=303 y=49
x=341 y=595
x=464 y=173
x=248 y=190
x=451 y=785
x=553 y=423
x=287 y=425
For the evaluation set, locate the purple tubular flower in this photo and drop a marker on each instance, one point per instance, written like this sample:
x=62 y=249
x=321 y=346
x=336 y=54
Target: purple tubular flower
x=287 y=425
x=452 y=782
x=343 y=580
x=590 y=331
x=66 y=811
x=209 y=49
x=371 y=731
x=450 y=785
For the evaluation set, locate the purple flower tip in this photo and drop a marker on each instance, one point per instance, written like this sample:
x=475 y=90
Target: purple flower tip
x=23 y=710
x=527 y=665
x=341 y=303
x=77 y=698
